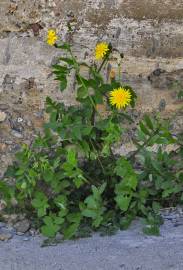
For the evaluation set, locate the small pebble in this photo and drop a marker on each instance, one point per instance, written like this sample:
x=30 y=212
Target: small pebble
x=26 y=239
x=2 y=225
x=16 y=134
x=19 y=120
x=2 y=116
x=22 y=226
x=5 y=236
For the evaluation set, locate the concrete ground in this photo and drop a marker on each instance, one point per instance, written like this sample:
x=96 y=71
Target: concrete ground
x=127 y=250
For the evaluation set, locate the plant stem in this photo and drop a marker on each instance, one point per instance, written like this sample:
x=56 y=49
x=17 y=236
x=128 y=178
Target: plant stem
x=119 y=72
x=100 y=162
x=92 y=102
x=105 y=60
x=144 y=144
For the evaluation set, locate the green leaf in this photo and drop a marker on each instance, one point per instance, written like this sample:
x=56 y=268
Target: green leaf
x=64 y=46
x=131 y=181
x=87 y=130
x=152 y=230
x=89 y=213
x=50 y=228
x=78 y=181
x=156 y=207
x=97 y=191
x=71 y=230
x=102 y=188
x=91 y=202
x=123 y=168
x=74 y=217
x=82 y=92
x=144 y=129
x=98 y=98
x=48 y=175
x=6 y=192
x=40 y=202
x=149 y=122
x=24 y=185
x=123 y=202
x=97 y=221
x=41 y=211
x=104 y=88
x=69 y=61
x=71 y=157
x=63 y=84
x=59 y=220
x=61 y=201
x=77 y=132
x=57 y=69
x=167 y=192
x=126 y=221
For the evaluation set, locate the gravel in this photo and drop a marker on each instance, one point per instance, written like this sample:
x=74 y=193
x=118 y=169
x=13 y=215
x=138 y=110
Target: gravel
x=127 y=250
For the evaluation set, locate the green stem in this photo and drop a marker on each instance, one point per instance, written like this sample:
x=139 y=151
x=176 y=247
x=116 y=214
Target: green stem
x=103 y=62
x=119 y=72
x=100 y=162
x=144 y=144
x=94 y=107
x=77 y=71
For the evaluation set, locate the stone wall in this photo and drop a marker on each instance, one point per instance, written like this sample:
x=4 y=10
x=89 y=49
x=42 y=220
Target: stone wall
x=148 y=32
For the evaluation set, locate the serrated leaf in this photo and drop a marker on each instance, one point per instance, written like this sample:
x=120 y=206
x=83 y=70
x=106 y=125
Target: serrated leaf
x=144 y=129
x=91 y=202
x=102 y=188
x=82 y=92
x=78 y=181
x=63 y=84
x=64 y=46
x=58 y=69
x=71 y=157
x=123 y=202
x=48 y=176
x=70 y=231
x=148 y=121
x=74 y=217
x=152 y=230
x=131 y=181
x=96 y=223
x=89 y=213
x=156 y=207
x=50 y=231
x=69 y=61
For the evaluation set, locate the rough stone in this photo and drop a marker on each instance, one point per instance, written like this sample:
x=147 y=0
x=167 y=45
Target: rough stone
x=2 y=116
x=126 y=250
x=5 y=236
x=10 y=219
x=3 y=147
x=16 y=134
x=22 y=226
x=2 y=205
x=2 y=225
x=148 y=33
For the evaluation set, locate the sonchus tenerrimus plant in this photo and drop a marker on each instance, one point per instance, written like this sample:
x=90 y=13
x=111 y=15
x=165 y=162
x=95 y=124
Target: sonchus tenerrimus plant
x=70 y=180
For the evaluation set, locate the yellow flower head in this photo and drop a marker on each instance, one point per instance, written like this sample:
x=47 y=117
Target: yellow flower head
x=120 y=97
x=101 y=50
x=51 y=37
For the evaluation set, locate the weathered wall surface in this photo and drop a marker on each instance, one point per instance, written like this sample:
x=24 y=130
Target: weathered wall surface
x=148 y=32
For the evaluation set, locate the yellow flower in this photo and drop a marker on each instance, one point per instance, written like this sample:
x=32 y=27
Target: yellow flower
x=101 y=50
x=120 y=97
x=51 y=37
